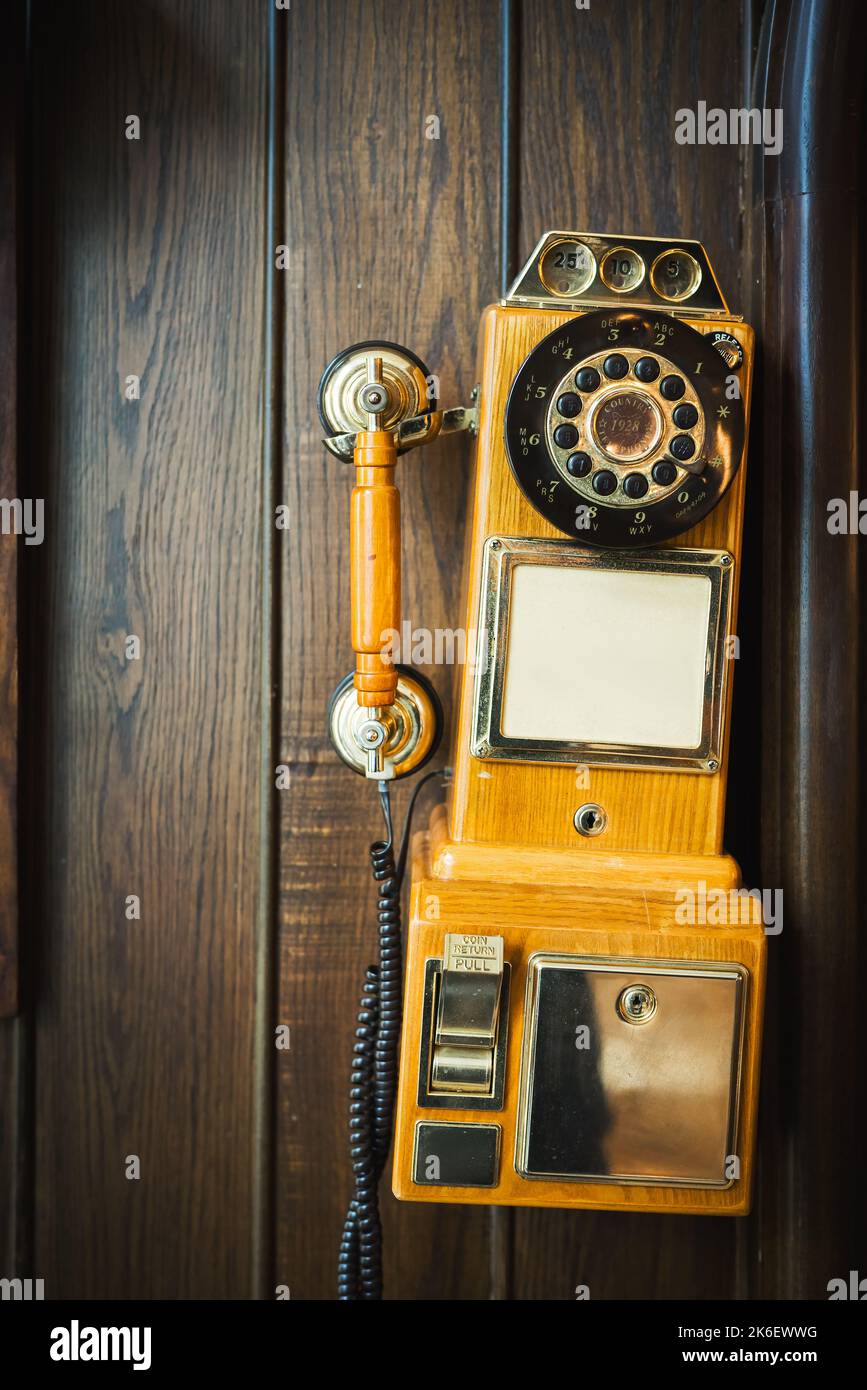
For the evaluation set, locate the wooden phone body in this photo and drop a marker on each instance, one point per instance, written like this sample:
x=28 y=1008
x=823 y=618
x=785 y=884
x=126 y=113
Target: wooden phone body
x=504 y=858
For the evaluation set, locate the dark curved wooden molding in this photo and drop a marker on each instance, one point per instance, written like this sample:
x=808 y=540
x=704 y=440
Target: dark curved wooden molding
x=809 y=1224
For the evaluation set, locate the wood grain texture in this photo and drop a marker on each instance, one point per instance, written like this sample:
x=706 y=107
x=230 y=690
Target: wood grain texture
x=811 y=1222
x=149 y=262
x=604 y=918
x=390 y=235
x=599 y=92
x=489 y=862
x=10 y=141
x=12 y=1150
x=375 y=554
x=11 y=1147
x=145 y=777
x=532 y=804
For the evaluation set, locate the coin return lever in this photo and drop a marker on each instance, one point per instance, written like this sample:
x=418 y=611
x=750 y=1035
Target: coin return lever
x=467 y=1014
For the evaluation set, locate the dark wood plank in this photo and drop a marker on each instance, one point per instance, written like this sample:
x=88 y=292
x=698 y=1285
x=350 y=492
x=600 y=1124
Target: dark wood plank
x=615 y=1255
x=14 y=1210
x=149 y=261
x=811 y=1220
x=390 y=235
x=599 y=92
x=10 y=142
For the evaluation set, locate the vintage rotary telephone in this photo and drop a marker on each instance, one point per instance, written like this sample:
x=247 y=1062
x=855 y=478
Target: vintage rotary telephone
x=579 y=1030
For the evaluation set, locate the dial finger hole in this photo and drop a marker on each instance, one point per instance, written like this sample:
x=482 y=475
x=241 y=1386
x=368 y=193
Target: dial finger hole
x=565 y=436
x=685 y=416
x=647 y=369
x=664 y=472
x=682 y=447
x=615 y=366
x=672 y=387
x=569 y=404
x=587 y=379
x=604 y=482
x=635 y=485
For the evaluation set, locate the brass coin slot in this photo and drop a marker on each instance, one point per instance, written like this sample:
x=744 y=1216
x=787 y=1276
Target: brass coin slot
x=675 y=275
x=567 y=268
x=621 y=269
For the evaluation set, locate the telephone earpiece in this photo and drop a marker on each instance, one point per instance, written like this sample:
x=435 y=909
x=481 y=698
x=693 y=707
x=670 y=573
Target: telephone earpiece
x=341 y=399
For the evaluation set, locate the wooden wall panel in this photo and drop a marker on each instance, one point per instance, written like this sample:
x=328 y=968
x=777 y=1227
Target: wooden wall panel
x=11 y=142
x=148 y=260
x=10 y=137
x=151 y=257
x=599 y=92
x=391 y=235
x=811 y=1219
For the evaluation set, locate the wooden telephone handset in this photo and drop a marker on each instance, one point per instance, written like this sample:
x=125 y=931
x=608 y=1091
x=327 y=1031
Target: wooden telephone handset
x=385 y=720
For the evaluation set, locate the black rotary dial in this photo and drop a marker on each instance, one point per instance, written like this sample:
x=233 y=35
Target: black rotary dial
x=625 y=428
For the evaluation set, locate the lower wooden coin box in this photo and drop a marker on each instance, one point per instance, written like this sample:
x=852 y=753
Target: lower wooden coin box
x=574 y=1047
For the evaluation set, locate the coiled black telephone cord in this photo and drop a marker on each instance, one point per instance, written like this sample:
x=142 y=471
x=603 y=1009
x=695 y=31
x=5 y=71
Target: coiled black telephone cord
x=374 y=1065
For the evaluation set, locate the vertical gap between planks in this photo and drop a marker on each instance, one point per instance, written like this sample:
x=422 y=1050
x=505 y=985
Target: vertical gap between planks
x=263 y=1270
x=501 y=1230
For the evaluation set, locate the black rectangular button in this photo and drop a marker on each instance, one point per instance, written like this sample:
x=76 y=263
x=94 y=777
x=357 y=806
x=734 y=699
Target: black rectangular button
x=451 y=1155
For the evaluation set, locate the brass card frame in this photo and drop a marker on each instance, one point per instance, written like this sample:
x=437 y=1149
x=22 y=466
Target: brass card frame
x=501 y=554
x=645 y=969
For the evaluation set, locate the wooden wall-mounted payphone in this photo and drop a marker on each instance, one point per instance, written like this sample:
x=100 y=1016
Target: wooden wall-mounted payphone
x=579 y=1029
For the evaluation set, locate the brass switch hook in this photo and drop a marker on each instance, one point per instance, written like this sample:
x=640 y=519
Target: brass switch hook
x=385 y=720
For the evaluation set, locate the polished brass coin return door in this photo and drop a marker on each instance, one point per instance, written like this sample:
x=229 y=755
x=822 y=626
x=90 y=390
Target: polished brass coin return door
x=630 y=1072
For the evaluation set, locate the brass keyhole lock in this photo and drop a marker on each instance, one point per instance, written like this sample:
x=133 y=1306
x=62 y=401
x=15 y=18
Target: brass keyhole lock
x=637 y=1004
x=590 y=819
